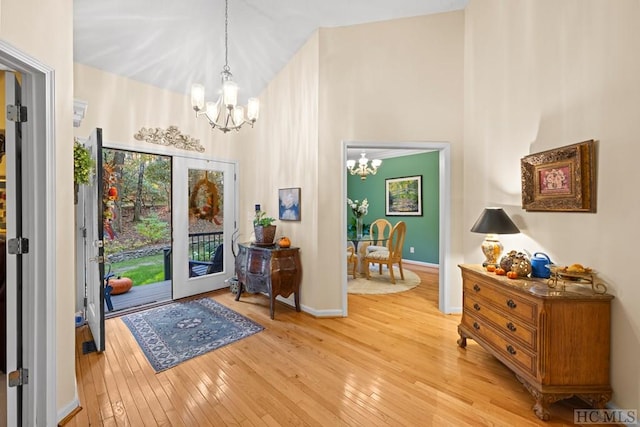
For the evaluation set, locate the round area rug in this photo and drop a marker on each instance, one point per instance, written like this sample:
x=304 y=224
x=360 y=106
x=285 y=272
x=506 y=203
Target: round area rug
x=381 y=284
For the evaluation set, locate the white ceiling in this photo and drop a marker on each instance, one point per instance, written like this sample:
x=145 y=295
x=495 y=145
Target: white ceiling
x=173 y=44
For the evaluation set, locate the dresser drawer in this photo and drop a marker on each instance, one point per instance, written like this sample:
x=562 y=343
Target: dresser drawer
x=510 y=327
x=506 y=300
x=506 y=349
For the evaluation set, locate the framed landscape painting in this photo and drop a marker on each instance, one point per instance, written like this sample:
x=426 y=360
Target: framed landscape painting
x=560 y=180
x=403 y=196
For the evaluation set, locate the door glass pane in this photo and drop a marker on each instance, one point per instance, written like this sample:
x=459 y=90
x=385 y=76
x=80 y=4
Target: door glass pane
x=206 y=222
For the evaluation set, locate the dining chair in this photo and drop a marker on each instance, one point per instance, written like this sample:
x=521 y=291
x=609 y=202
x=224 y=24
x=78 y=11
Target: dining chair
x=352 y=261
x=379 y=231
x=392 y=254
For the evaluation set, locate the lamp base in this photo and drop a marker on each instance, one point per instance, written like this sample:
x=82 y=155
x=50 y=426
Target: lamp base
x=491 y=248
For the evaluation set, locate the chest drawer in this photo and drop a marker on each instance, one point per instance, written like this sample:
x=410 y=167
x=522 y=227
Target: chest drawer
x=510 y=350
x=510 y=303
x=510 y=327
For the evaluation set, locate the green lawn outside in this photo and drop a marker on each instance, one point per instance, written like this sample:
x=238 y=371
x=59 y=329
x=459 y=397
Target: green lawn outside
x=141 y=271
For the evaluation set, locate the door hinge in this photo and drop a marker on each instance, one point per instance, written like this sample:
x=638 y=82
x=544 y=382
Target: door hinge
x=99 y=259
x=19 y=377
x=18 y=246
x=17 y=113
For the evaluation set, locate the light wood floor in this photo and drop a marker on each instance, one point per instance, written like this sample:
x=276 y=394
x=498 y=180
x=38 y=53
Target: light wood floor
x=393 y=362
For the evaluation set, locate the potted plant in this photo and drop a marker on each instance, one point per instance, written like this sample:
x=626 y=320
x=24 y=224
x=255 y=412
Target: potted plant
x=264 y=229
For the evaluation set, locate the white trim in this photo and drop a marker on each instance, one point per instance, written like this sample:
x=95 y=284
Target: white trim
x=423 y=264
x=444 y=150
x=321 y=313
x=69 y=408
x=40 y=267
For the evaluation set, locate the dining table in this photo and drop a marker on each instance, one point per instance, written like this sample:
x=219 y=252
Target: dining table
x=366 y=238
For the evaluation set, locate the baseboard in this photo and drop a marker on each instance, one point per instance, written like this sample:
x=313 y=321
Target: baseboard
x=69 y=411
x=306 y=309
x=423 y=264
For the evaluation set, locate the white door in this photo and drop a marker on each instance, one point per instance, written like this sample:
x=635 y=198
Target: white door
x=94 y=251
x=204 y=217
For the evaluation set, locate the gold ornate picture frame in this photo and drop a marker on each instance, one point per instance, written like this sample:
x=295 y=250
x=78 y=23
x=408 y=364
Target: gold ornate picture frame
x=560 y=180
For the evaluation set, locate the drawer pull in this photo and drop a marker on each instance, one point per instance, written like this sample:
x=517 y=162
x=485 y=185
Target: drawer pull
x=511 y=327
x=476 y=326
x=476 y=287
x=511 y=304
x=476 y=306
x=511 y=350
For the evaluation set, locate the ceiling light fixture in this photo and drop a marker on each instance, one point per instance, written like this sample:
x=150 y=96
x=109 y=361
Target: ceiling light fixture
x=363 y=168
x=225 y=114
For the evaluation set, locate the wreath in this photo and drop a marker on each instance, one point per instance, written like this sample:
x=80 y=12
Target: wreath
x=203 y=201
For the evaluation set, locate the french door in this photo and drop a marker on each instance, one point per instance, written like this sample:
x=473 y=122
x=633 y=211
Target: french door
x=93 y=250
x=204 y=221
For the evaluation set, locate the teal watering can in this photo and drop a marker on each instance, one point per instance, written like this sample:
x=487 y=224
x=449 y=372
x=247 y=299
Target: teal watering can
x=539 y=265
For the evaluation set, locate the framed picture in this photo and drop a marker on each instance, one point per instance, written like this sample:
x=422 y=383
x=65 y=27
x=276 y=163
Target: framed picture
x=289 y=204
x=560 y=180
x=403 y=196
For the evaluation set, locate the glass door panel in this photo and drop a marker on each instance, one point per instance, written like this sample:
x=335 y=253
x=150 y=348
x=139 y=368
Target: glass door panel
x=202 y=230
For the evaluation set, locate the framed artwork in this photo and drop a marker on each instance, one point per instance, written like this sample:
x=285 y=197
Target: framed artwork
x=403 y=196
x=289 y=204
x=560 y=180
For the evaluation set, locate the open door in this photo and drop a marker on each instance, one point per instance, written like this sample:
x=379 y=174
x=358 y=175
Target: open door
x=93 y=247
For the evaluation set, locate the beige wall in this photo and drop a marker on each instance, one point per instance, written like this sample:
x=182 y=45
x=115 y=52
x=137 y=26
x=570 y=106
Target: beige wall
x=21 y=24
x=394 y=81
x=541 y=74
x=282 y=152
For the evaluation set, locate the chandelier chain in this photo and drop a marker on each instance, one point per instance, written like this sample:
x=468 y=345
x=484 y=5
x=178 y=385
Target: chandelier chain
x=226 y=35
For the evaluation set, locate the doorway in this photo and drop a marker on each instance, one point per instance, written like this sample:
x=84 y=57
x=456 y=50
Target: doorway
x=444 y=202
x=27 y=403
x=137 y=189
x=200 y=196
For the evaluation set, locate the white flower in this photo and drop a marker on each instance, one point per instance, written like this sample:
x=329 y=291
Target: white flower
x=358 y=209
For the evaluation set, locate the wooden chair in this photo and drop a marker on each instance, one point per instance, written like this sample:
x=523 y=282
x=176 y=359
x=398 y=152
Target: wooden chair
x=378 y=230
x=352 y=261
x=391 y=255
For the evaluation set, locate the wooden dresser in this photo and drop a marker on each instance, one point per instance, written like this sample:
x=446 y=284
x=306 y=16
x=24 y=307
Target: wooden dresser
x=271 y=270
x=557 y=342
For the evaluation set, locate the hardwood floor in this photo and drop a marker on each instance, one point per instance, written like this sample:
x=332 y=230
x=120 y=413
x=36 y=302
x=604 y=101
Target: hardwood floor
x=393 y=362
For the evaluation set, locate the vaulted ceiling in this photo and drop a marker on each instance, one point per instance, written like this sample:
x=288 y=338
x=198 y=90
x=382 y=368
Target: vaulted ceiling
x=172 y=44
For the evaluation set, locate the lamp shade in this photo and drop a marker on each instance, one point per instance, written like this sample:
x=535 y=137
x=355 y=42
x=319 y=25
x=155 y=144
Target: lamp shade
x=494 y=221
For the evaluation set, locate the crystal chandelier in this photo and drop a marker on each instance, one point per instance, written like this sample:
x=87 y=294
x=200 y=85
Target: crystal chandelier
x=224 y=114
x=363 y=168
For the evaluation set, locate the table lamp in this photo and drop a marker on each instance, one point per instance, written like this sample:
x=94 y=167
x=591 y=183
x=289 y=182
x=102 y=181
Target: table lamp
x=493 y=221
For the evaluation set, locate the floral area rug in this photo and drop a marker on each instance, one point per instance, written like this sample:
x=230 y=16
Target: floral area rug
x=173 y=333
x=381 y=284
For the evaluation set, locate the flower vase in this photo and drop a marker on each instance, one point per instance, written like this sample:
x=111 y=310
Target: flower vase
x=359 y=227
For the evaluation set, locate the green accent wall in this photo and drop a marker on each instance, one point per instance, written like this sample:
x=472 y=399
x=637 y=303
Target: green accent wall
x=422 y=231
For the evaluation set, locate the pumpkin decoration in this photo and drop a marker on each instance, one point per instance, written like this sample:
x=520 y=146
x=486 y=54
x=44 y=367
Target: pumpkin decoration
x=507 y=261
x=284 y=242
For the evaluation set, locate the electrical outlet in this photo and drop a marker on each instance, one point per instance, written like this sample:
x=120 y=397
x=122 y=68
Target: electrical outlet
x=411 y=249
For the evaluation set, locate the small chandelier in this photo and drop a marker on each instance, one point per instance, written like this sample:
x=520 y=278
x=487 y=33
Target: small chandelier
x=363 y=168
x=224 y=114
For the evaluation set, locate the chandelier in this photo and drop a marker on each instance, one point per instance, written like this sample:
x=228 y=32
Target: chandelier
x=225 y=114
x=363 y=168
